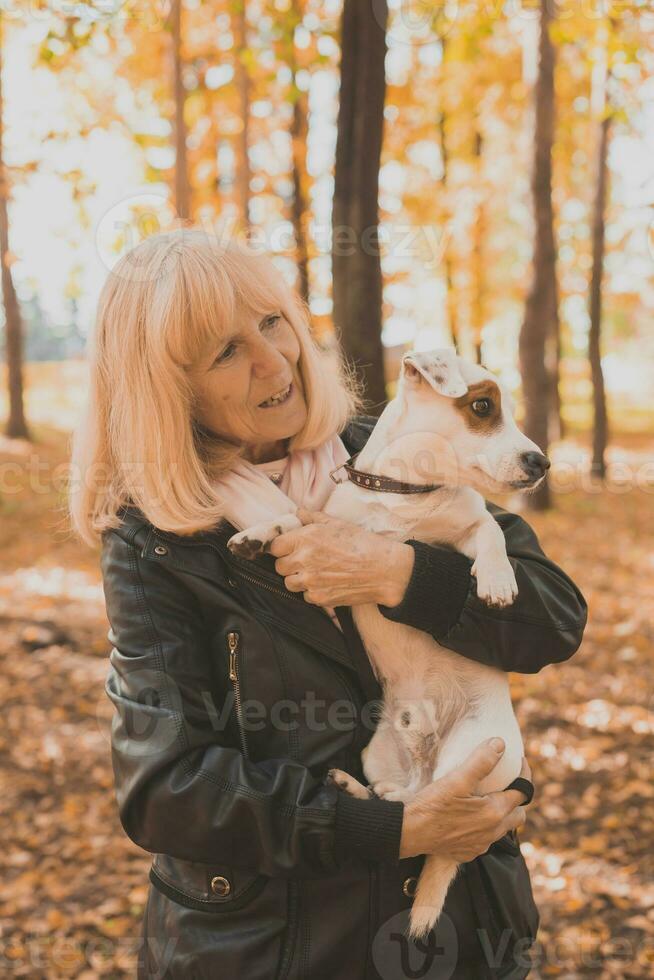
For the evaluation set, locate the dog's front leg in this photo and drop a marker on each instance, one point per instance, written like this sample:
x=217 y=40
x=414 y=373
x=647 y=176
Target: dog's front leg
x=348 y=784
x=256 y=540
x=496 y=584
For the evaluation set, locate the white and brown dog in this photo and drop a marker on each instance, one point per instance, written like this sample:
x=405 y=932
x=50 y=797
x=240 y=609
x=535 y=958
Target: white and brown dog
x=447 y=438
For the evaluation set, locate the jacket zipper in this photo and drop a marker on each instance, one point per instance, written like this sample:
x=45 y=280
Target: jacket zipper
x=238 y=571
x=233 y=644
x=267 y=585
x=286 y=595
x=249 y=578
x=233 y=640
x=274 y=588
x=271 y=588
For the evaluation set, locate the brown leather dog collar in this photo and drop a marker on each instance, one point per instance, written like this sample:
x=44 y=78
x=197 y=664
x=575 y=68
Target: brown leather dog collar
x=383 y=484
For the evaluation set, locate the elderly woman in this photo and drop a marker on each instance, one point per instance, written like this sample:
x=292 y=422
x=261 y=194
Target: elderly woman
x=236 y=689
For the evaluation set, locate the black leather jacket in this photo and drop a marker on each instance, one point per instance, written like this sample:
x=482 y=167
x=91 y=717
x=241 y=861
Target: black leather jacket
x=233 y=697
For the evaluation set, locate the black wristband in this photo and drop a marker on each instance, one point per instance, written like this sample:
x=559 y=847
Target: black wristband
x=437 y=591
x=524 y=786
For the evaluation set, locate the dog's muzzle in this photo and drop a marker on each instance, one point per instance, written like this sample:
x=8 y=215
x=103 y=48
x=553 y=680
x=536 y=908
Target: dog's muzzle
x=535 y=465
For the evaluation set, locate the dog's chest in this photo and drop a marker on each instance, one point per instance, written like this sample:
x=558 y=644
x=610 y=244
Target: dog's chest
x=401 y=655
x=441 y=519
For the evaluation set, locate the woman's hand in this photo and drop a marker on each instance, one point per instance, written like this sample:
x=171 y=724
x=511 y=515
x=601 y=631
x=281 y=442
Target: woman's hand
x=337 y=563
x=449 y=818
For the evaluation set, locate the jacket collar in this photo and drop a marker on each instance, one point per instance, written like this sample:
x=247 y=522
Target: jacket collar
x=195 y=555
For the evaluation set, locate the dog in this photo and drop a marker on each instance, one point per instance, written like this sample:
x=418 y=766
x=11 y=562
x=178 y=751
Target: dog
x=445 y=439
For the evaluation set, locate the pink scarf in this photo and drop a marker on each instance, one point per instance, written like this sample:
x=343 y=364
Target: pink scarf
x=249 y=495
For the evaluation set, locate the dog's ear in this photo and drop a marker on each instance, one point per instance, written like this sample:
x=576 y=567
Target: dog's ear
x=439 y=368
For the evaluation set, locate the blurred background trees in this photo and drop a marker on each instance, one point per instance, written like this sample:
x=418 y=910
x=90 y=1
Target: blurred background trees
x=427 y=175
x=16 y=427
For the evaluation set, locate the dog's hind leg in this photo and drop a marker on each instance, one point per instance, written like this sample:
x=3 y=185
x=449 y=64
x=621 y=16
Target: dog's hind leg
x=493 y=716
x=388 y=766
x=400 y=757
x=438 y=871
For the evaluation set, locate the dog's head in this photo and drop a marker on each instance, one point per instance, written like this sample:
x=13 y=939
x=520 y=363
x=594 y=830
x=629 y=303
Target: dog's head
x=471 y=413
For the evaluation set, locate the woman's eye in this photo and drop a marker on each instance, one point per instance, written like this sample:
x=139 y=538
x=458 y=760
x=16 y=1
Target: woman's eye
x=267 y=322
x=481 y=406
x=225 y=354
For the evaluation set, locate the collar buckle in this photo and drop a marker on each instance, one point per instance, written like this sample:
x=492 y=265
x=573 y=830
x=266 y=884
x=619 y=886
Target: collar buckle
x=337 y=468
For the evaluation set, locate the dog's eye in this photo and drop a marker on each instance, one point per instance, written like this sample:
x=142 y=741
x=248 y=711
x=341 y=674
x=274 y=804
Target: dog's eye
x=482 y=406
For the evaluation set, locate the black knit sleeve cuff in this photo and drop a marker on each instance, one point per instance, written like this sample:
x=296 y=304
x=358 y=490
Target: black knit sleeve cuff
x=437 y=590
x=368 y=829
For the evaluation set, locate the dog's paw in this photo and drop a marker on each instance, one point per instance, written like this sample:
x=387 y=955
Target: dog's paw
x=244 y=546
x=255 y=541
x=388 y=790
x=348 y=784
x=496 y=584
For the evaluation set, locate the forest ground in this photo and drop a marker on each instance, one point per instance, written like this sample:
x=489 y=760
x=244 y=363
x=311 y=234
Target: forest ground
x=73 y=887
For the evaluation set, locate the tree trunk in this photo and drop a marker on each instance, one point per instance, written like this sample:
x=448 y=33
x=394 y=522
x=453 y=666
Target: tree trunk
x=356 y=259
x=299 y=137
x=538 y=324
x=600 y=415
x=553 y=362
x=479 y=233
x=16 y=427
x=300 y=207
x=182 y=185
x=244 y=88
x=448 y=260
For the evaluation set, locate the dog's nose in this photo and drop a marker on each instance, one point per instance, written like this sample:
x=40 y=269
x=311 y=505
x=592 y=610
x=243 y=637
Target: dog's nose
x=535 y=465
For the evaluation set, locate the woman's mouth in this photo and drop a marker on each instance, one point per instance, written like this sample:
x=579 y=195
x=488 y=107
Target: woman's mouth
x=278 y=398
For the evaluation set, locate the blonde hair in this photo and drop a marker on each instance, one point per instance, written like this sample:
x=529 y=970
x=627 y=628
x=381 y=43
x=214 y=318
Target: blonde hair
x=166 y=304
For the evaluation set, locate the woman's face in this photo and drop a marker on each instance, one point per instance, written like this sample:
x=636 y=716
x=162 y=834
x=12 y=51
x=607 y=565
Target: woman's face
x=235 y=382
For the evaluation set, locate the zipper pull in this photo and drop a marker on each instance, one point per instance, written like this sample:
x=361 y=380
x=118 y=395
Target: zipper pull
x=232 y=641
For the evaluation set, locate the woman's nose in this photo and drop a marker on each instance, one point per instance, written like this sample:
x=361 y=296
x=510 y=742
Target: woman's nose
x=268 y=360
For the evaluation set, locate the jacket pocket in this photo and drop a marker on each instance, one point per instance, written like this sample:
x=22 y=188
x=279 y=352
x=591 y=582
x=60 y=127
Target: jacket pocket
x=216 y=920
x=205 y=888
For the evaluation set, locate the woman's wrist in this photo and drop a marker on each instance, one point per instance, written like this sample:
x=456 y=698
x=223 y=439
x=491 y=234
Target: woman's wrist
x=408 y=834
x=419 y=833
x=398 y=564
